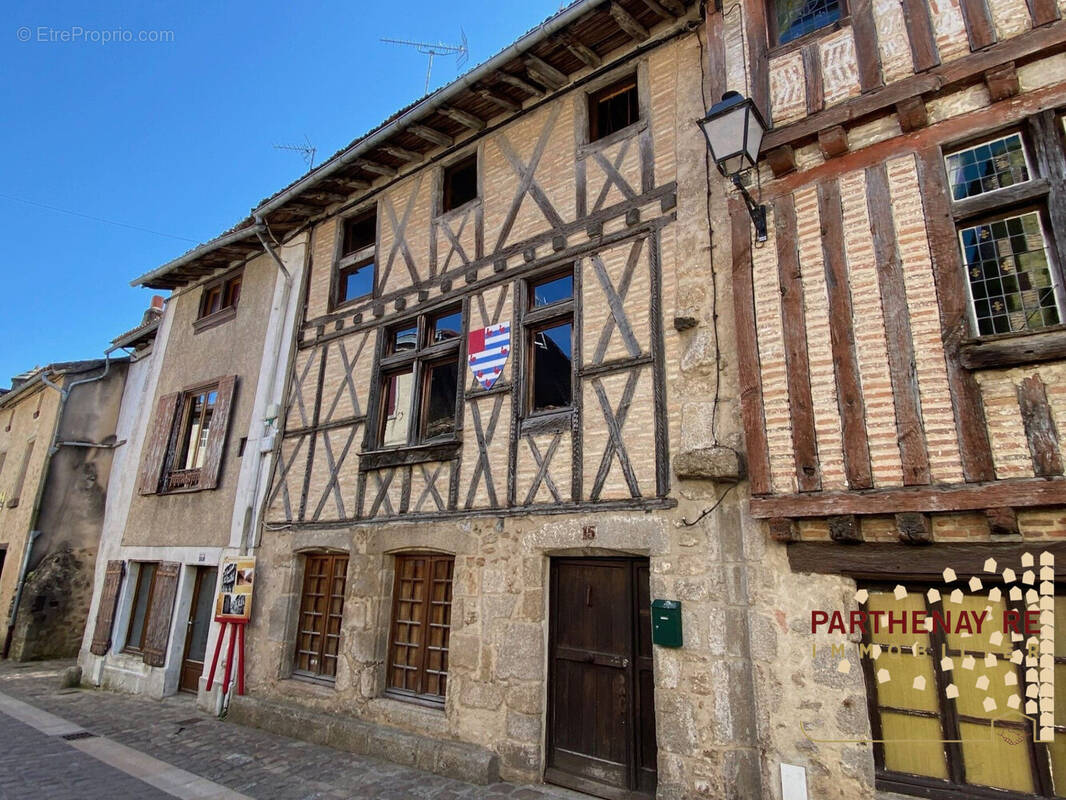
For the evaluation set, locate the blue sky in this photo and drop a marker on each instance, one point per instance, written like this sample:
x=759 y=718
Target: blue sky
x=178 y=137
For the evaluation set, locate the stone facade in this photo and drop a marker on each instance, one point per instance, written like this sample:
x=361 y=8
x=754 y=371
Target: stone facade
x=57 y=439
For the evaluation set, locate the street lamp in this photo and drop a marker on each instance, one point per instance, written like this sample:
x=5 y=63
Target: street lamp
x=734 y=129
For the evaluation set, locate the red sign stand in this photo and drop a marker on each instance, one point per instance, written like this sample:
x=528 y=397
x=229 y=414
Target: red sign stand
x=236 y=637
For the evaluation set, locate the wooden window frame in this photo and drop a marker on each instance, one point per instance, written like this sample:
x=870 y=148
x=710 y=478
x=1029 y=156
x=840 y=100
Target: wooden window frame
x=419 y=360
x=348 y=262
x=446 y=204
x=321 y=676
x=630 y=80
x=224 y=286
x=128 y=647
x=421 y=670
x=188 y=481
x=538 y=318
x=1038 y=194
x=953 y=788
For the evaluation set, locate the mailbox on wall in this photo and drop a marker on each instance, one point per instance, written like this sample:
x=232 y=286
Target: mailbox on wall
x=666 y=623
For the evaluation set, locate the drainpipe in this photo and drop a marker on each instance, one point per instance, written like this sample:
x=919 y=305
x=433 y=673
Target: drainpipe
x=54 y=445
x=261 y=228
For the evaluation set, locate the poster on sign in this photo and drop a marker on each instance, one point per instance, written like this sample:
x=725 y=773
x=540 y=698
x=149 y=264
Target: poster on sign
x=234 y=602
x=489 y=349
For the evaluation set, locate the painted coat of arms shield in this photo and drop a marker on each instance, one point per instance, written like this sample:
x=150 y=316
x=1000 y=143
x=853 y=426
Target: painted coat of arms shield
x=488 y=349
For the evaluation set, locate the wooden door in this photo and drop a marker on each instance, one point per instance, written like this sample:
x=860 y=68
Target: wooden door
x=601 y=713
x=198 y=627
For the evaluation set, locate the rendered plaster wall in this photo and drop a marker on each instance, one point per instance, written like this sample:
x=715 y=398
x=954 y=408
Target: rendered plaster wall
x=58 y=589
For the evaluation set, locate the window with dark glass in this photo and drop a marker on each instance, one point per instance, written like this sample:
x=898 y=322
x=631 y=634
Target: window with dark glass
x=549 y=335
x=142 y=606
x=220 y=296
x=460 y=183
x=942 y=716
x=613 y=108
x=420 y=380
x=1014 y=282
x=321 y=611
x=791 y=19
x=355 y=266
x=421 y=623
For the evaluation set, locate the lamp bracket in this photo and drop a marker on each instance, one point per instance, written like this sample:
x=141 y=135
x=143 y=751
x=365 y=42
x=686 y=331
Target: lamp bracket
x=756 y=211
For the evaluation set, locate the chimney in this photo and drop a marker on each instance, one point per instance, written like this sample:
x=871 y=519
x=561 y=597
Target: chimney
x=154 y=311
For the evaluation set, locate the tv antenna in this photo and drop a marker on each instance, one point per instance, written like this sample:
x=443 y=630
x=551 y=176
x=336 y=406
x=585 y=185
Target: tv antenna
x=307 y=150
x=461 y=51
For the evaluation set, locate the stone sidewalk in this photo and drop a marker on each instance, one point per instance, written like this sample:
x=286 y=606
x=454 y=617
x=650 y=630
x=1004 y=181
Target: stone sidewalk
x=249 y=761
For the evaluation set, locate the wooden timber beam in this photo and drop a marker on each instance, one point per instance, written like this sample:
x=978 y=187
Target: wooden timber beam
x=373 y=166
x=302 y=208
x=627 y=22
x=901 y=561
x=659 y=9
x=497 y=99
x=545 y=73
x=401 y=153
x=1042 y=41
x=464 y=118
x=519 y=83
x=675 y=7
x=580 y=51
x=348 y=184
x=1021 y=493
x=324 y=196
x=431 y=135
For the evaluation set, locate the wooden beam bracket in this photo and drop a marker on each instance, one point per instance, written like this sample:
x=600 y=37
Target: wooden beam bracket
x=401 y=153
x=845 y=529
x=833 y=141
x=545 y=73
x=912 y=114
x=914 y=528
x=498 y=100
x=431 y=135
x=782 y=160
x=464 y=118
x=579 y=50
x=1002 y=82
x=783 y=529
x=627 y=22
x=519 y=83
x=373 y=166
x=1002 y=522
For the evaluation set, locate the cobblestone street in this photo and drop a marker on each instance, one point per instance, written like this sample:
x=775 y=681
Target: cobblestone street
x=249 y=762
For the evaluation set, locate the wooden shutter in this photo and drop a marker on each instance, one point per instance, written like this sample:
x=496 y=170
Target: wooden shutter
x=421 y=623
x=105 y=614
x=216 y=438
x=156 y=443
x=161 y=608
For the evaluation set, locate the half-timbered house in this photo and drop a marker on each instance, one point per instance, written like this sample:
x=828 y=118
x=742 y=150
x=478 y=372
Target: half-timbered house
x=473 y=503
x=901 y=374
